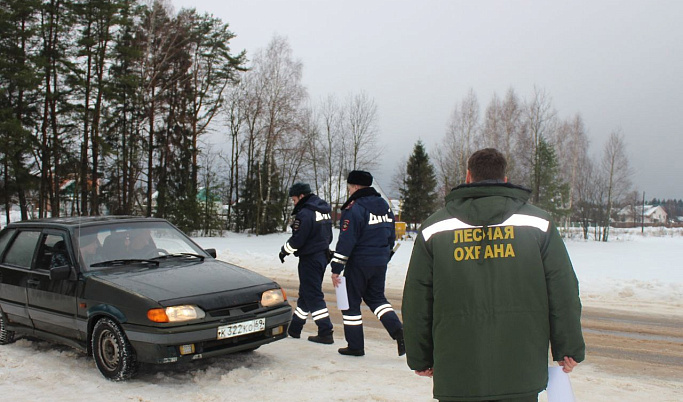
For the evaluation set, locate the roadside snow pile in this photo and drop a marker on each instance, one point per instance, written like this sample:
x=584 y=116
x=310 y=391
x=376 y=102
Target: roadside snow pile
x=628 y=272
x=641 y=270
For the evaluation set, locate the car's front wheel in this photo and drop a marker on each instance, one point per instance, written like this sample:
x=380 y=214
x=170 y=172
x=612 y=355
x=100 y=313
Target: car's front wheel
x=6 y=336
x=113 y=354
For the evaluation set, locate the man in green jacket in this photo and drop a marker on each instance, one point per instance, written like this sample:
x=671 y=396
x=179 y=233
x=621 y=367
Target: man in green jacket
x=489 y=285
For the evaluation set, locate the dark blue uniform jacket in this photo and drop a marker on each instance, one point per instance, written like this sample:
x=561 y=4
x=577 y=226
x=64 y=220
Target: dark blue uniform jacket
x=312 y=227
x=367 y=231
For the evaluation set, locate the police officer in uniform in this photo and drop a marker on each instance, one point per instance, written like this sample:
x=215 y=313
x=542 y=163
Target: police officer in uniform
x=363 y=250
x=310 y=241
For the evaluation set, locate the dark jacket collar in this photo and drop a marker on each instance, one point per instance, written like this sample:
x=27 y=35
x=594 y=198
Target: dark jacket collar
x=312 y=202
x=491 y=185
x=486 y=203
x=302 y=202
x=363 y=192
x=486 y=189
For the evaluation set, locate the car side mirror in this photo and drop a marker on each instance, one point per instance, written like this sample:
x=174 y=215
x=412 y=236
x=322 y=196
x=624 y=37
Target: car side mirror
x=60 y=273
x=211 y=252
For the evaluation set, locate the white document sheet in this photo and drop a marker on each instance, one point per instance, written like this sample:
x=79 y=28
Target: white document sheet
x=559 y=387
x=342 y=296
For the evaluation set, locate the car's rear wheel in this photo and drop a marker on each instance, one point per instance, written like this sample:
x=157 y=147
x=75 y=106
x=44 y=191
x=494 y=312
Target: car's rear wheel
x=6 y=336
x=113 y=354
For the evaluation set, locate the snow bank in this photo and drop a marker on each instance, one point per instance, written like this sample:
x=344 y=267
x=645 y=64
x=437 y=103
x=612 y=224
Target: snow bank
x=629 y=272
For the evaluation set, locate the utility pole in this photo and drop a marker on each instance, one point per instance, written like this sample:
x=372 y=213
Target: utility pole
x=642 y=216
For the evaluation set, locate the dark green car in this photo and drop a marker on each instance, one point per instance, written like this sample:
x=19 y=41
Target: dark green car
x=131 y=290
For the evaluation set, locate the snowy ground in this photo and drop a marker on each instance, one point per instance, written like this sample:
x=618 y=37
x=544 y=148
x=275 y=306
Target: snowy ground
x=631 y=272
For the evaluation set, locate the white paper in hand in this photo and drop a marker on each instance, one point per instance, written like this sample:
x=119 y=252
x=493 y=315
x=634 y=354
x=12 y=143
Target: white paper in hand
x=559 y=387
x=342 y=296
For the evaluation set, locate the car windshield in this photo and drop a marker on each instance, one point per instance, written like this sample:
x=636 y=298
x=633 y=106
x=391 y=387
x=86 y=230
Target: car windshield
x=131 y=241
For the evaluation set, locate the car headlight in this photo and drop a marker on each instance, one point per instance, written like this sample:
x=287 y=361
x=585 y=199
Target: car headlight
x=273 y=297
x=175 y=314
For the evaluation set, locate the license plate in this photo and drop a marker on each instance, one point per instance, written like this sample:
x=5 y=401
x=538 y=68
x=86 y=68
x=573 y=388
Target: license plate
x=241 y=328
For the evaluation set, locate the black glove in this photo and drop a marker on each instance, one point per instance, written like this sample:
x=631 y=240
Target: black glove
x=329 y=253
x=282 y=255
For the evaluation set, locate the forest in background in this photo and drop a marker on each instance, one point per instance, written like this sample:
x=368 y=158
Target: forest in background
x=104 y=106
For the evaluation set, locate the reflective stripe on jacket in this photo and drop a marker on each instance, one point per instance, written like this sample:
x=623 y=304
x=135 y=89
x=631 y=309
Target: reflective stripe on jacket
x=366 y=231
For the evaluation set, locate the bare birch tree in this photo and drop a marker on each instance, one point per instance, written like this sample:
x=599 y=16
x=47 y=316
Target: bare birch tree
x=503 y=129
x=360 y=128
x=275 y=95
x=492 y=130
x=571 y=145
x=461 y=139
x=589 y=186
x=330 y=142
x=617 y=171
x=540 y=120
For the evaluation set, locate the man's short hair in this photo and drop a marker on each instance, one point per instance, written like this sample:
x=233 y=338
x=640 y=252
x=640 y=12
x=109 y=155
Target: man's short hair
x=487 y=164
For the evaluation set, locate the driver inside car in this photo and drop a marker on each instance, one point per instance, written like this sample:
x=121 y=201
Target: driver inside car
x=141 y=244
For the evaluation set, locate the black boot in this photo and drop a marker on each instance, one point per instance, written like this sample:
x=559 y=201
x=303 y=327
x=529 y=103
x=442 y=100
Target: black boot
x=400 y=342
x=293 y=334
x=351 y=352
x=325 y=339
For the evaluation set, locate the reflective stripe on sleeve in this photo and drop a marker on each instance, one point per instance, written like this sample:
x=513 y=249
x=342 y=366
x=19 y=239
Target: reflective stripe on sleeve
x=514 y=220
x=289 y=248
x=384 y=308
x=340 y=256
x=353 y=319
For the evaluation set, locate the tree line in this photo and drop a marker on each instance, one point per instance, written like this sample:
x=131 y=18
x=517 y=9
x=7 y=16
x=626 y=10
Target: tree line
x=278 y=136
x=104 y=105
x=545 y=153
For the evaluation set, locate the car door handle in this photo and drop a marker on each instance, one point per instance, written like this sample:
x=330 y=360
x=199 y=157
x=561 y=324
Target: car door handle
x=33 y=283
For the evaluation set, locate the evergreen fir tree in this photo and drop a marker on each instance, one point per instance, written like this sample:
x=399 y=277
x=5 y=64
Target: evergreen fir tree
x=418 y=194
x=177 y=195
x=553 y=193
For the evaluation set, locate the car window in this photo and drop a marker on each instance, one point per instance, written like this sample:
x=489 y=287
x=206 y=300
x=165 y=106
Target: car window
x=131 y=240
x=21 y=250
x=53 y=252
x=4 y=239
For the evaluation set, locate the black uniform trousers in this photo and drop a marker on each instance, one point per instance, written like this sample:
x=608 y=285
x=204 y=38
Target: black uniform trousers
x=311 y=298
x=367 y=284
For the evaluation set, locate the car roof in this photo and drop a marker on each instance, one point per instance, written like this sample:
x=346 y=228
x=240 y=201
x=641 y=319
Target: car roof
x=71 y=222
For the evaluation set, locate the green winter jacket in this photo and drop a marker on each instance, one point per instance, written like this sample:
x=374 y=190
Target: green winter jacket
x=489 y=285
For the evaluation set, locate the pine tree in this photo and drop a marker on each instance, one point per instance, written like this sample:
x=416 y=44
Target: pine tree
x=553 y=193
x=177 y=197
x=18 y=107
x=418 y=193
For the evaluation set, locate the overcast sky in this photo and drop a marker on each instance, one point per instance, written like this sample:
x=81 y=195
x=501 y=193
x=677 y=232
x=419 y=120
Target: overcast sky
x=617 y=63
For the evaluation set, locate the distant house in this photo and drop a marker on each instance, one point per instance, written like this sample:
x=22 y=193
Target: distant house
x=649 y=214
